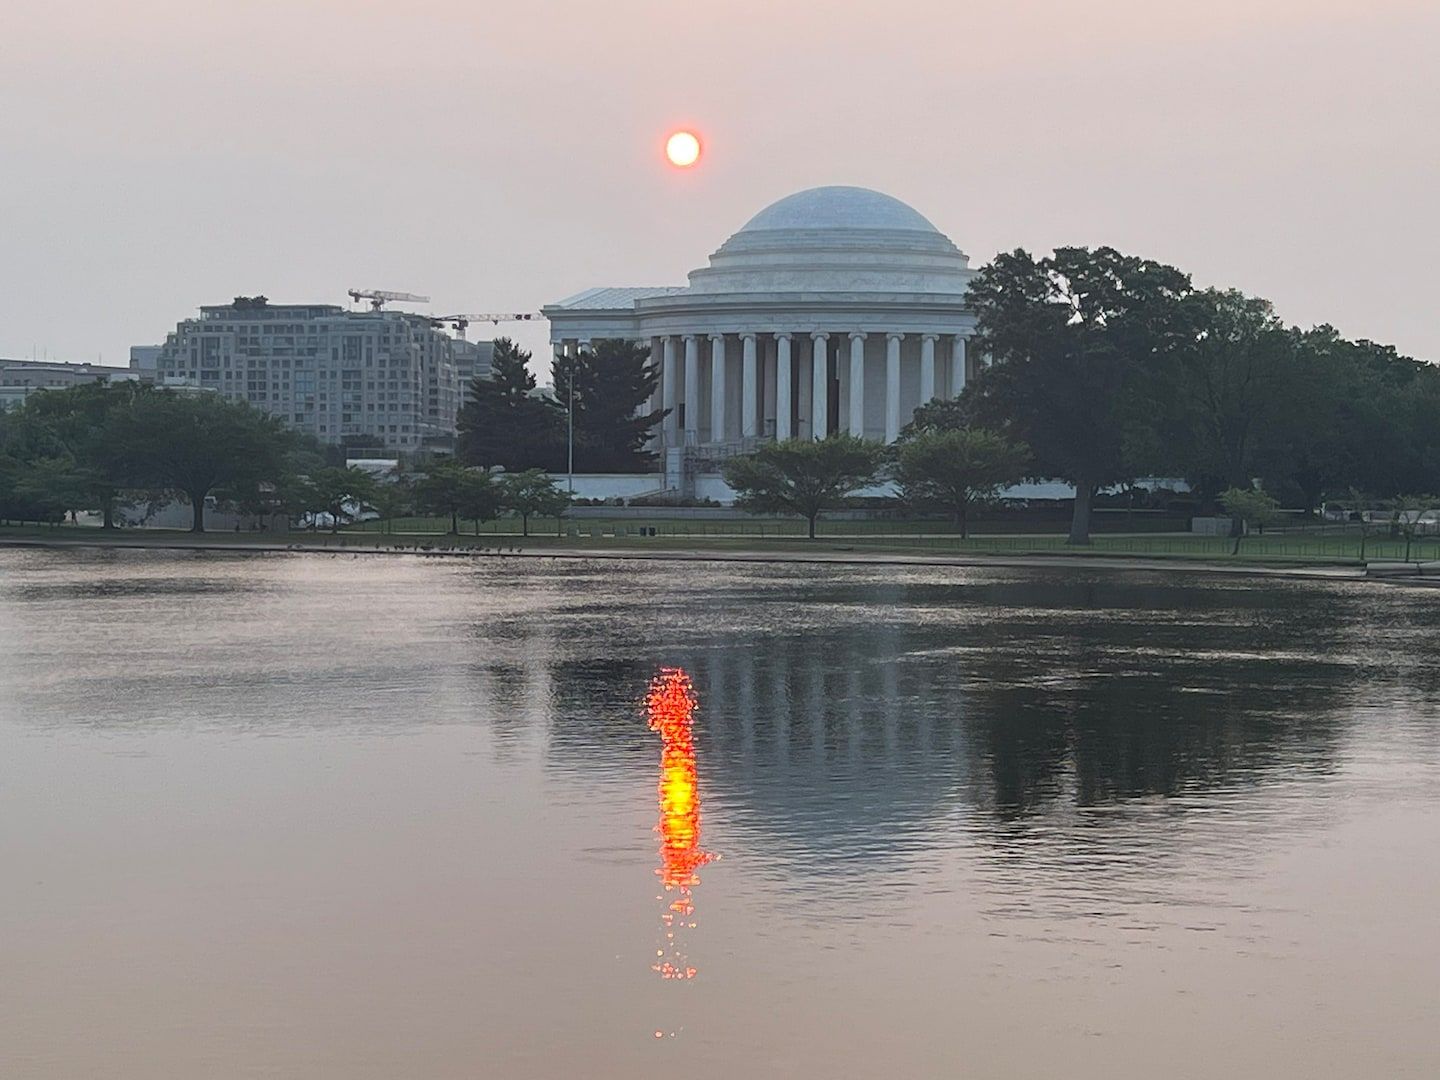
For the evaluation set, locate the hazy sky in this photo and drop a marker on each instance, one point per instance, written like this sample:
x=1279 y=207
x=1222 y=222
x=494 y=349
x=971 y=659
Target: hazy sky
x=156 y=155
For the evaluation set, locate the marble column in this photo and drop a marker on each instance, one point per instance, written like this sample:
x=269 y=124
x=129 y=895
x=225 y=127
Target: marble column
x=782 y=386
x=767 y=386
x=656 y=439
x=857 y=384
x=582 y=346
x=957 y=367
x=804 y=395
x=692 y=390
x=927 y=367
x=667 y=389
x=717 y=388
x=820 y=385
x=892 y=386
x=749 y=389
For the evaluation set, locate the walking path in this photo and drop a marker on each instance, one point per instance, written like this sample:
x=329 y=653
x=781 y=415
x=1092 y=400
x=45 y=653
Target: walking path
x=1391 y=572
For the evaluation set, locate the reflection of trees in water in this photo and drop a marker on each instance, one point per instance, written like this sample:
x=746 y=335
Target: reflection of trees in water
x=853 y=719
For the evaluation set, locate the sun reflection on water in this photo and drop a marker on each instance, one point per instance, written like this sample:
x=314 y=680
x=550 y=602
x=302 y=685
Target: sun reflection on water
x=670 y=706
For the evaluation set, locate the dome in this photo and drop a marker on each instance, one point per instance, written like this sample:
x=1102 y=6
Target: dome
x=839 y=208
x=836 y=240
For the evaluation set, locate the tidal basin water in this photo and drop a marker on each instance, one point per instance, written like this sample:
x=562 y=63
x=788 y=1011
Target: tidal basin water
x=309 y=816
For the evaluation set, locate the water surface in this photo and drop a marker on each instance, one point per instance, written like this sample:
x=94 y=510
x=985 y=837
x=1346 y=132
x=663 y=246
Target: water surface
x=300 y=815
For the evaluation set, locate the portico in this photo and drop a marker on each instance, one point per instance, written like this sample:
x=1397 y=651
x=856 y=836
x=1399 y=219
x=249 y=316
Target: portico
x=835 y=309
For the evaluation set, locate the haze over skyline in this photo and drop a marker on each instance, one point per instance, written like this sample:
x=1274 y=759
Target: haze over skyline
x=162 y=154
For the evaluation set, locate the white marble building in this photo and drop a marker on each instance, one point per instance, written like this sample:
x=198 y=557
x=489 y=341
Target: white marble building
x=834 y=309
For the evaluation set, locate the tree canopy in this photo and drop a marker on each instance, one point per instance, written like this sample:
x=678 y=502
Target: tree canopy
x=78 y=428
x=953 y=470
x=193 y=444
x=342 y=494
x=530 y=493
x=801 y=476
x=1082 y=341
x=450 y=489
x=1232 y=385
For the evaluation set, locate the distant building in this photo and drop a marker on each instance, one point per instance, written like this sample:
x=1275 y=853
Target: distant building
x=144 y=359
x=21 y=378
x=472 y=358
x=380 y=379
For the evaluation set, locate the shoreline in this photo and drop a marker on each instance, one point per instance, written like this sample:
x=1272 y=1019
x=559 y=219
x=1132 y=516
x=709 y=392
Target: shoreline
x=1413 y=574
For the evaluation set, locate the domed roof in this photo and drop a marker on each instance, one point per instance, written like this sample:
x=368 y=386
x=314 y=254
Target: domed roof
x=835 y=240
x=838 y=207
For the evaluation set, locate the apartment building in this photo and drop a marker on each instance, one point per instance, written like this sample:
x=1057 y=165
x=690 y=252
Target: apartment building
x=385 y=379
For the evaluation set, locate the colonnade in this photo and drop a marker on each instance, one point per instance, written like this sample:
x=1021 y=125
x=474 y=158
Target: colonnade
x=741 y=387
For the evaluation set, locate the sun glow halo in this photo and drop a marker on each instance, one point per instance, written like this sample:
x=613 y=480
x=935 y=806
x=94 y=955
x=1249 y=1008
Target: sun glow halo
x=683 y=149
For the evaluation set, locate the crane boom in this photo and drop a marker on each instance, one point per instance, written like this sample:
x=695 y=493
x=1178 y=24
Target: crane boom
x=379 y=297
x=460 y=322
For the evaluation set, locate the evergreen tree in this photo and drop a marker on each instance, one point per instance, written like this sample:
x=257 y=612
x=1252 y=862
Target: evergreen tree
x=612 y=388
x=503 y=423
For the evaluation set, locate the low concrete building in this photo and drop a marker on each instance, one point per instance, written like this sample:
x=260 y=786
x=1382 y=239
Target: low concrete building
x=21 y=378
x=145 y=360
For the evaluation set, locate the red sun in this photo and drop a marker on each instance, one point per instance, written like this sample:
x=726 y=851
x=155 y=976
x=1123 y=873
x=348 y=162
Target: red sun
x=682 y=149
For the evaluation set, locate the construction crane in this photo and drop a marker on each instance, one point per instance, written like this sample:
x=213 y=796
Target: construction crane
x=459 y=322
x=378 y=297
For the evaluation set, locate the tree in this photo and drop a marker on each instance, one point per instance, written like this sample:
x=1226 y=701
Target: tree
x=479 y=497
x=802 y=476
x=942 y=414
x=954 y=470
x=391 y=498
x=1250 y=506
x=1081 y=343
x=1358 y=415
x=46 y=488
x=1234 y=380
x=612 y=388
x=1358 y=504
x=1407 y=515
x=343 y=494
x=532 y=492
x=78 y=422
x=11 y=505
x=449 y=489
x=194 y=443
x=503 y=423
